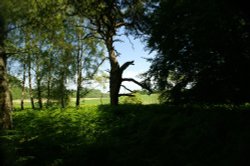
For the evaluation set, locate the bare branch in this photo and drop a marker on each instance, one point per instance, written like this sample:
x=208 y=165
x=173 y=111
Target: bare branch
x=126 y=94
x=126 y=65
x=117 y=53
x=118 y=40
x=133 y=47
x=121 y=24
x=98 y=66
x=91 y=35
x=127 y=88
x=144 y=86
x=108 y=71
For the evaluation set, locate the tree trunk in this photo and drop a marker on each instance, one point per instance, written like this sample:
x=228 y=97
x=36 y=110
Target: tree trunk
x=38 y=84
x=62 y=87
x=79 y=72
x=115 y=73
x=115 y=85
x=39 y=93
x=48 y=89
x=78 y=89
x=5 y=98
x=23 y=87
x=30 y=85
x=49 y=80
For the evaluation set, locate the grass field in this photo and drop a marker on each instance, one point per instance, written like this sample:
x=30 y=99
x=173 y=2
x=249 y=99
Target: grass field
x=145 y=99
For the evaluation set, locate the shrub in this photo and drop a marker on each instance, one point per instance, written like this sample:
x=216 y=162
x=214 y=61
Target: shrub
x=136 y=99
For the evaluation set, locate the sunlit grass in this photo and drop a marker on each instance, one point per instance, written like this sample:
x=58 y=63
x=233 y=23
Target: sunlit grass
x=146 y=99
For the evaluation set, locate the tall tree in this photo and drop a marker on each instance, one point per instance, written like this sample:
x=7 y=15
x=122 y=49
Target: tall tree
x=106 y=18
x=203 y=50
x=43 y=26
x=87 y=52
x=7 y=19
x=5 y=100
x=12 y=12
x=23 y=87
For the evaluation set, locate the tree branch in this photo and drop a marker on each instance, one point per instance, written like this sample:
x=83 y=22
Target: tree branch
x=144 y=86
x=120 y=24
x=127 y=88
x=126 y=65
x=126 y=94
x=17 y=27
x=98 y=66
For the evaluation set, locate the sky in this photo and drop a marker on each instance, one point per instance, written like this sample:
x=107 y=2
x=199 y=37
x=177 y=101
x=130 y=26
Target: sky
x=131 y=49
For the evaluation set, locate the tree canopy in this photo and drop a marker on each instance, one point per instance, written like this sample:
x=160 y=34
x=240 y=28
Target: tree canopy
x=203 y=50
x=53 y=41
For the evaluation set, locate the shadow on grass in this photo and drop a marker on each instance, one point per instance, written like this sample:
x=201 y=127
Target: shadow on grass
x=148 y=135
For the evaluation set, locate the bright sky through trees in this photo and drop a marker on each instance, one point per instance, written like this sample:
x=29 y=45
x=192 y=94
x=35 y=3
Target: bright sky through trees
x=131 y=49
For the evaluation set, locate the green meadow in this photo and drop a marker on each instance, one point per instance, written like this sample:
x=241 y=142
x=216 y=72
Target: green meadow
x=143 y=99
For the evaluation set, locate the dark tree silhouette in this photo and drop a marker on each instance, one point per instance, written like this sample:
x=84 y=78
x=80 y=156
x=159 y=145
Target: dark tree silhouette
x=203 y=50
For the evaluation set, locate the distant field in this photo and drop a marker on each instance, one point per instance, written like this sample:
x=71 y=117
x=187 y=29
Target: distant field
x=146 y=99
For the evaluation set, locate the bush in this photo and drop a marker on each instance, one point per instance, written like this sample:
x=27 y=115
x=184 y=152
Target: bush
x=132 y=100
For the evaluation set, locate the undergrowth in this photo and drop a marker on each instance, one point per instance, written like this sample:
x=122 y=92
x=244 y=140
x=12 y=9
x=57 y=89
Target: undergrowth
x=148 y=135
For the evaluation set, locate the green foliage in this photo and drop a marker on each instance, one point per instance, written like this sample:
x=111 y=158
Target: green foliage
x=16 y=93
x=53 y=133
x=95 y=93
x=16 y=88
x=146 y=99
x=203 y=50
x=14 y=82
x=90 y=93
x=130 y=135
x=136 y=99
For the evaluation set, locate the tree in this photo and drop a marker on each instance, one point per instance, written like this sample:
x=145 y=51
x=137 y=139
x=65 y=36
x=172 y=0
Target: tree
x=5 y=98
x=203 y=50
x=88 y=53
x=13 y=15
x=106 y=18
x=52 y=46
x=23 y=87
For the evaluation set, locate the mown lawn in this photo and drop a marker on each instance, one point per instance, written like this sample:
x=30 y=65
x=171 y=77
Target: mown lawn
x=147 y=135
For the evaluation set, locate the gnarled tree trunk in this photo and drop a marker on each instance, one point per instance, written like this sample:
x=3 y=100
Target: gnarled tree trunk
x=115 y=74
